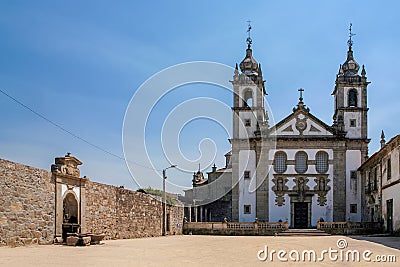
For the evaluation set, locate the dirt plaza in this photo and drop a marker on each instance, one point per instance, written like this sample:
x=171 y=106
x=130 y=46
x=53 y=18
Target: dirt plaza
x=208 y=251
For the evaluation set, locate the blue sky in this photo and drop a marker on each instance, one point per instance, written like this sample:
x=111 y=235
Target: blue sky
x=79 y=62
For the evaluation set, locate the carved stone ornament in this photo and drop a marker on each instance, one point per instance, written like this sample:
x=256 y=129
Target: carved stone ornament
x=301 y=125
x=67 y=165
x=301 y=187
x=321 y=189
x=280 y=189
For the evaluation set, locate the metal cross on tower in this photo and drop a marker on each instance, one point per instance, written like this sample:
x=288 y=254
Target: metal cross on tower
x=350 y=41
x=248 y=40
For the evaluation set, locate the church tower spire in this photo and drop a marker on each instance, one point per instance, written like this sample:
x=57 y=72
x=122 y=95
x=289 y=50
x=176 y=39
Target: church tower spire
x=249 y=92
x=350 y=93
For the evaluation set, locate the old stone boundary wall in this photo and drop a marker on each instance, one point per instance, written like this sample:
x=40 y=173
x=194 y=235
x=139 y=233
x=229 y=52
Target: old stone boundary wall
x=26 y=205
x=121 y=213
x=27 y=209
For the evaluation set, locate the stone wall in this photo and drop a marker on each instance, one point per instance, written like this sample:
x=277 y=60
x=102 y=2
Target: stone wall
x=101 y=209
x=26 y=205
x=27 y=209
x=121 y=213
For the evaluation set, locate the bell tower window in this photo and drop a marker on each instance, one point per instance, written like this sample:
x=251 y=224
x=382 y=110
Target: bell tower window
x=352 y=98
x=248 y=98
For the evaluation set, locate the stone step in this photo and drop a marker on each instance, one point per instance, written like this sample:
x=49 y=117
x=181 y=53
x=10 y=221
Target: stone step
x=303 y=232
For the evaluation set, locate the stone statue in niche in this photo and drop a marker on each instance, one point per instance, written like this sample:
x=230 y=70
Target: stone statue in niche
x=301 y=187
x=280 y=189
x=321 y=189
x=301 y=184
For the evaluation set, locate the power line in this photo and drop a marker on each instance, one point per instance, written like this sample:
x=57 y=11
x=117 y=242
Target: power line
x=69 y=132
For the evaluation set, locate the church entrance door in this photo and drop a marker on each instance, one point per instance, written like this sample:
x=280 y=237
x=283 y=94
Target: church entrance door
x=300 y=215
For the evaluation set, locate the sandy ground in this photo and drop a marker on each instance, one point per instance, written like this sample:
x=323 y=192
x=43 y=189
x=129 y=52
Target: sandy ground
x=197 y=251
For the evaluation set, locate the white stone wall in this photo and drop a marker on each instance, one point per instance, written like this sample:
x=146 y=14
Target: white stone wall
x=247 y=131
x=247 y=195
x=352 y=132
x=353 y=196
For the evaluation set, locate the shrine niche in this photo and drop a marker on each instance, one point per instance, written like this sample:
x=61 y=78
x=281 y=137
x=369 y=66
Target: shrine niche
x=70 y=196
x=280 y=189
x=321 y=189
x=301 y=187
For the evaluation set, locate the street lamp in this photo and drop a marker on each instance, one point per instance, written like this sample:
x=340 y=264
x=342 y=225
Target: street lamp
x=164 y=199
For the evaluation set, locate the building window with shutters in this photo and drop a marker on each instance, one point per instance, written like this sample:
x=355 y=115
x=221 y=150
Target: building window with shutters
x=280 y=162
x=301 y=162
x=389 y=169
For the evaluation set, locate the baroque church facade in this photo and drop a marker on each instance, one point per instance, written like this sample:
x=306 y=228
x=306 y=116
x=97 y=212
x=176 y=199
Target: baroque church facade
x=300 y=168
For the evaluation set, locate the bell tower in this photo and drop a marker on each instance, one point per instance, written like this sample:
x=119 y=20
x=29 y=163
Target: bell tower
x=350 y=93
x=249 y=121
x=249 y=92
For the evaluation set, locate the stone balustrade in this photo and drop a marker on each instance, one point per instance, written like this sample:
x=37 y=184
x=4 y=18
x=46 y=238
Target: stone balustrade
x=350 y=228
x=235 y=228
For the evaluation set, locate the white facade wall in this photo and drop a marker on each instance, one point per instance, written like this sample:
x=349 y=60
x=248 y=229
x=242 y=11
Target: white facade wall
x=393 y=191
x=353 y=195
x=352 y=132
x=247 y=131
x=247 y=196
x=281 y=213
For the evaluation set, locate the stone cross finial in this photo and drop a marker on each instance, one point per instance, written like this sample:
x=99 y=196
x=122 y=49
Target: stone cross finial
x=301 y=90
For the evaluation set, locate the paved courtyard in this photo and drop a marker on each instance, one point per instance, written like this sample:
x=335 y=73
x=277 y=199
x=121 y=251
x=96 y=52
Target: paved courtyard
x=197 y=251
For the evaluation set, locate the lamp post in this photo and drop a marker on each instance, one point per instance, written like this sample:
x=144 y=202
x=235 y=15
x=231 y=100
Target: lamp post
x=164 y=200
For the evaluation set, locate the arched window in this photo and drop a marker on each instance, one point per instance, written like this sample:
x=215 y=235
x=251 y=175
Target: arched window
x=301 y=162
x=280 y=162
x=353 y=98
x=248 y=98
x=321 y=162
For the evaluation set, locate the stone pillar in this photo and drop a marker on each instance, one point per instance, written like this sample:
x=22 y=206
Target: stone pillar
x=262 y=193
x=190 y=213
x=339 y=183
x=201 y=213
x=235 y=181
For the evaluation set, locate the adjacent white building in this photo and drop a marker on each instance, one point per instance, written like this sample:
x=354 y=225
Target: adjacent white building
x=380 y=177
